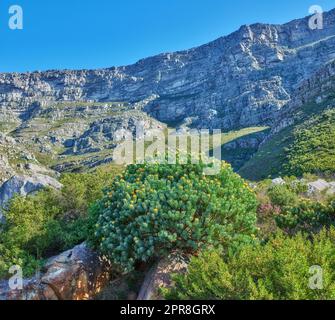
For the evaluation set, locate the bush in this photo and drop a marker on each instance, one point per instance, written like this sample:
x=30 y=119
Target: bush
x=282 y=195
x=308 y=216
x=278 y=270
x=266 y=221
x=153 y=209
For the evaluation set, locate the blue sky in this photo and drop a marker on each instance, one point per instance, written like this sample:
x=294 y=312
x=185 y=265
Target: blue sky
x=77 y=34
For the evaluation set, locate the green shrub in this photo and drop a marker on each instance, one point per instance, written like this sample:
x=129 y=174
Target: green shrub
x=278 y=270
x=153 y=209
x=309 y=216
x=282 y=195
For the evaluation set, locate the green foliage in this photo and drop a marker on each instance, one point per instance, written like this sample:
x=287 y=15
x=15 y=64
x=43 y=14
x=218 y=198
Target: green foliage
x=309 y=216
x=313 y=150
x=278 y=270
x=282 y=195
x=49 y=222
x=306 y=147
x=153 y=209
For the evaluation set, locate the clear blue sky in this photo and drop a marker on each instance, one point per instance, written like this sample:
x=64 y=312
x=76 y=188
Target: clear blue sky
x=78 y=34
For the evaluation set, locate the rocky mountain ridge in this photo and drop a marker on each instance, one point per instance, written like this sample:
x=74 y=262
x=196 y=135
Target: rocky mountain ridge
x=235 y=81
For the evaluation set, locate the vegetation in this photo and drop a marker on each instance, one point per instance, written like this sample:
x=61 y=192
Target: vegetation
x=280 y=270
x=153 y=209
x=313 y=149
x=308 y=216
x=150 y=210
x=307 y=146
x=49 y=222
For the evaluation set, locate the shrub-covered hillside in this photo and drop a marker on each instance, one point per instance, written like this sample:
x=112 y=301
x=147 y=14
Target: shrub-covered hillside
x=292 y=258
x=308 y=146
x=313 y=149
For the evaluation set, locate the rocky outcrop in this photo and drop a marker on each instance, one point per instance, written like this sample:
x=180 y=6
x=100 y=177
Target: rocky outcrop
x=104 y=134
x=317 y=89
x=313 y=188
x=321 y=186
x=77 y=274
x=24 y=185
x=159 y=277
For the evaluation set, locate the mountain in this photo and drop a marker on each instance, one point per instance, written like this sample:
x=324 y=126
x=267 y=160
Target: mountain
x=252 y=77
x=302 y=140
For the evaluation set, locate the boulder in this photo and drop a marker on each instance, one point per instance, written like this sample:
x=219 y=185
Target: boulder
x=278 y=182
x=159 y=277
x=77 y=274
x=318 y=186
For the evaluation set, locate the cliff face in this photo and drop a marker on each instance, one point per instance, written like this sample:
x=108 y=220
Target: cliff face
x=236 y=81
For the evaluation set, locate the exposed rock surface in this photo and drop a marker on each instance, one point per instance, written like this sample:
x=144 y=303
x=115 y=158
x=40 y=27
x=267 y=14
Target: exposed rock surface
x=77 y=274
x=313 y=188
x=318 y=88
x=242 y=79
x=320 y=186
x=278 y=182
x=24 y=185
x=254 y=76
x=160 y=277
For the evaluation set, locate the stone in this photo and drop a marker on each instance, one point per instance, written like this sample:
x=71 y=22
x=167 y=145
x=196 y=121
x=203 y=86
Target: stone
x=77 y=274
x=278 y=182
x=159 y=277
x=318 y=186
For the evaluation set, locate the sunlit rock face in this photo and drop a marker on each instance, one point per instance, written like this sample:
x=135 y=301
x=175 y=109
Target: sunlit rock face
x=77 y=274
x=242 y=79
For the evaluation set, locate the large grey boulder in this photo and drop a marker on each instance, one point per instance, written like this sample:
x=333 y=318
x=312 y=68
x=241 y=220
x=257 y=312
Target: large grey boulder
x=318 y=186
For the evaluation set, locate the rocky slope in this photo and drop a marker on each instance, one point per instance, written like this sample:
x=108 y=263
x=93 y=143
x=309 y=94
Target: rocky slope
x=239 y=80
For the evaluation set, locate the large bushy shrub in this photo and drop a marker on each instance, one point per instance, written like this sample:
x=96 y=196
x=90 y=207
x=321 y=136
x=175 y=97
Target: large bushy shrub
x=282 y=269
x=153 y=209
